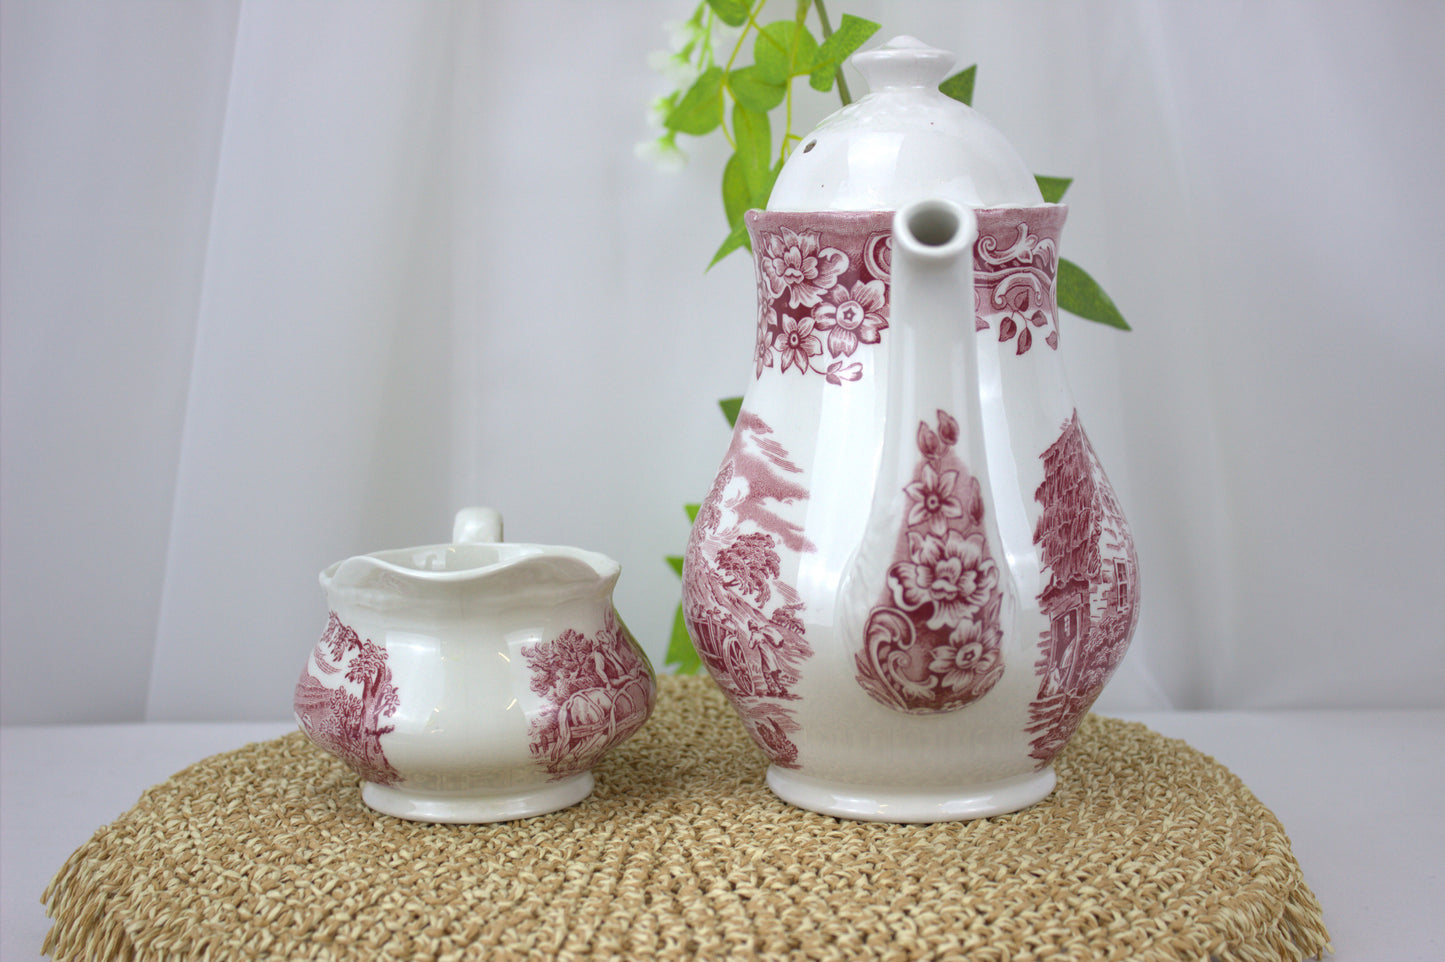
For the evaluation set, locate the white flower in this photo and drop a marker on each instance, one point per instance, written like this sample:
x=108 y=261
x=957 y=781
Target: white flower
x=677 y=69
x=663 y=152
x=657 y=112
x=682 y=33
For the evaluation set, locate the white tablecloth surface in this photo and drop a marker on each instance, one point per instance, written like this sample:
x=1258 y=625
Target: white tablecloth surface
x=1360 y=793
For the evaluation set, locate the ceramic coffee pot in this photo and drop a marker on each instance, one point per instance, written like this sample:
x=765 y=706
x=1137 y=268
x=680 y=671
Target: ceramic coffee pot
x=911 y=576
x=476 y=681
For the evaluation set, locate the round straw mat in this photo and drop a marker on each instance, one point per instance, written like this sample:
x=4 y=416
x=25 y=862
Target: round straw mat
x=1146 y=850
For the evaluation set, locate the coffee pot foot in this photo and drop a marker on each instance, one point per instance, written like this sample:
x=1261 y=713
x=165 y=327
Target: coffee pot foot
x=871 y=803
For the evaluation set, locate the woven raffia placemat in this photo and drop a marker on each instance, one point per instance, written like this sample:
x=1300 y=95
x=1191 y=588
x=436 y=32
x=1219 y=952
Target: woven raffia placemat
x=1146 y=850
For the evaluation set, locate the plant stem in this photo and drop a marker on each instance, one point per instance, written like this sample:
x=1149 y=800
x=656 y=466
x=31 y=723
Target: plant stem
x=843 y=93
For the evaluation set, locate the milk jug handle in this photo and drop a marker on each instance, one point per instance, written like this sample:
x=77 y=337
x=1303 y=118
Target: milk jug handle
x=477 y=526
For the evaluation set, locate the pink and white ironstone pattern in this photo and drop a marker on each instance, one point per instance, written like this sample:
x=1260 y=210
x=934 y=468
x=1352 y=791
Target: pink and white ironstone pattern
x=821 y=297
x=933 y=641
x=596 y=693
x=345 y=715
x=745 y=621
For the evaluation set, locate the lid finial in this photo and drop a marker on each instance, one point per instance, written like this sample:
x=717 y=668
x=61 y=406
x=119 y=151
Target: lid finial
x=904 y=62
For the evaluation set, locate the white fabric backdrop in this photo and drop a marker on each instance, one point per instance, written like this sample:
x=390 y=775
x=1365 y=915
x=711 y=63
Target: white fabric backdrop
x=283 y=282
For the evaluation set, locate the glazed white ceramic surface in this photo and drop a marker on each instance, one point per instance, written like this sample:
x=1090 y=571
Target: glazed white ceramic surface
x=876 y=579
x=473 y=681
x=903 y=142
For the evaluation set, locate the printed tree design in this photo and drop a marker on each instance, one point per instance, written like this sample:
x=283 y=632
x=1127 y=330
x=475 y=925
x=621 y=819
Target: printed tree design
x=745 y=621
x=346 y=719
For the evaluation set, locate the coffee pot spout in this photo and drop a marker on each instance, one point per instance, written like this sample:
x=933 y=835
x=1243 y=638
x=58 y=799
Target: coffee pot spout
x=933 y=263
x=931 y=367
x=926 y=583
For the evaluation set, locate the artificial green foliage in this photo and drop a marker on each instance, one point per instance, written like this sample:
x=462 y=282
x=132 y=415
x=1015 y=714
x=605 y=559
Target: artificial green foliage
x=838 y=47
x=731 y=407
x=734 y=13
x=784 y=49
x=738 y=98
x=752 y=91
x=698 y=111
x=1080 y=294
x=960 y=85
x=681 y=655
x=1053 y=187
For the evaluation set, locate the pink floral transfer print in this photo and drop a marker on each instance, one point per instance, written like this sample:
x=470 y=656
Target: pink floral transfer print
x=796 y=264
x=1015 y=266
x=1091 y=589
x=933 y=642
x=745 y=621
x=822 y=290
x=596 y=692
x=344 y=716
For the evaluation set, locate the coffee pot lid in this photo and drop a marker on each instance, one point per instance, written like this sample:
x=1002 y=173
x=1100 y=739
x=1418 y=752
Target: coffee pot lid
x=903 y=142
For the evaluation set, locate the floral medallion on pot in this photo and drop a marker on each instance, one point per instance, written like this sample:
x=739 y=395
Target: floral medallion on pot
x=822 y=294
x=596 y=692
x=1091 y=588
x=744 y=619
x=932 y=644
x=344 y=716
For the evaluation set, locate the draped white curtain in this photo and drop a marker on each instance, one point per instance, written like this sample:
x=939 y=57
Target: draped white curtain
x=284 y=282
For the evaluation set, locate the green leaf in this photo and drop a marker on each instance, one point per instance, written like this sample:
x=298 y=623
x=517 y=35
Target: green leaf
x=1080 y=294
x=692 y=510
x=701 y=108
x=768 y=188
x=738 y=238
x=735 y=193
x=760 y=199
x=734 y=13
x=1053 y=187
x=784 y=49
x=754 y=136
x=960 y=85
x=731 y=406
x=849 y=36
x=749 y=89
x=674 y=561
x=681 y=654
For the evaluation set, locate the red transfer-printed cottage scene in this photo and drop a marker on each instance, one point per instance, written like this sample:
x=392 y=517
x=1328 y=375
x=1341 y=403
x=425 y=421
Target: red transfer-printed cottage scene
x=596 y=692
x=1091 y=588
